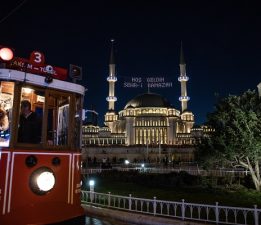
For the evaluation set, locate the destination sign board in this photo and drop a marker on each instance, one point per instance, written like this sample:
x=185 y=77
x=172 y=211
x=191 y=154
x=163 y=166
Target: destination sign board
x=147 y=82
x=36 y=65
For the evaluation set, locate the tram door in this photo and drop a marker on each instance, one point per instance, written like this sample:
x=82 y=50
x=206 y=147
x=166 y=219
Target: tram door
x=6 y=109
x=58 y=119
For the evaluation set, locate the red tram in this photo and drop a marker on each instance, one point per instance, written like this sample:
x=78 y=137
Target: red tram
x=39 y=175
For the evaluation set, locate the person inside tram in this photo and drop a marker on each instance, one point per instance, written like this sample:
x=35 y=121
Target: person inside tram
x=30 y=125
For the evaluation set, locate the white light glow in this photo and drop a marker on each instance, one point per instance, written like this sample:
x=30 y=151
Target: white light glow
x=6 y=54
x=91 y=182
x=27 y=90
x=45 y=181
x=127 y=162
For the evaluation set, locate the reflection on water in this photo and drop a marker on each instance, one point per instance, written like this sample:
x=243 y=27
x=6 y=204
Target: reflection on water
x=95 y=221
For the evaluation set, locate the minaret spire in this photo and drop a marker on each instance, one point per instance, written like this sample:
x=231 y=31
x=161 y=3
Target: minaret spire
x=111 y=79
x=112 y=61
x=111 y=116
x=183 y=78
x=182 y=59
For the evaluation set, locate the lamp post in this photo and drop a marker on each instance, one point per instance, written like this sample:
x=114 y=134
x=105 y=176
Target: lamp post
x=159 y=151
x=147 y=151
x=91 y=183
x=143 y=167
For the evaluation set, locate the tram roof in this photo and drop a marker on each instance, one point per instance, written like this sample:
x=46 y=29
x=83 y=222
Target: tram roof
x=9 y=74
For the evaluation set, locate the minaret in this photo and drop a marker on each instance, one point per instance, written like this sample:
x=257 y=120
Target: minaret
x=184 y=98
x=111 y=116
x=111 y=79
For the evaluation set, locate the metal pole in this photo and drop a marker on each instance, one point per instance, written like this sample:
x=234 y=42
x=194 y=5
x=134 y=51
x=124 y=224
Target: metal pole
x=159 y=151
x=147 y=153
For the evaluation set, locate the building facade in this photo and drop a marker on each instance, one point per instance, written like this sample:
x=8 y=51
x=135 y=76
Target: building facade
x=147 y=119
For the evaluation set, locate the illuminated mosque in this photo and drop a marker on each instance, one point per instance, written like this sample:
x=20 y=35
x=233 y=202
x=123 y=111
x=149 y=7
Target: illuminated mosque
x=147 y=119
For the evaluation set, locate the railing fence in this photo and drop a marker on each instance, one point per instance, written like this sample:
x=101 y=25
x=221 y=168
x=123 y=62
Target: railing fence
x=182 y=210
x=192 y=171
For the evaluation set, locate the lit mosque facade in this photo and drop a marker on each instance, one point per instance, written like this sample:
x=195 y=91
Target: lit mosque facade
x=147 y=119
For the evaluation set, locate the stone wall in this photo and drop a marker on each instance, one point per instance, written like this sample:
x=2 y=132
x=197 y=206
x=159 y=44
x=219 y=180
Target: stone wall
x=138 y=154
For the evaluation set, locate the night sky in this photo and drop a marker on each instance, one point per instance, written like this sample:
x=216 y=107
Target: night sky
x=221 y=42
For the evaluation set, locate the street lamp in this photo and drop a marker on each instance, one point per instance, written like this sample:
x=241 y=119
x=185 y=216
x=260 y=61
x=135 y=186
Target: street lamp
x=159 y=150
x=143 y=167
x=127 y=162
x=91 y=183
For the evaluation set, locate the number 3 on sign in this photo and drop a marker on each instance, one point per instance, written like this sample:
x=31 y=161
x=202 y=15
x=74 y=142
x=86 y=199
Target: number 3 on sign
x=37 y=58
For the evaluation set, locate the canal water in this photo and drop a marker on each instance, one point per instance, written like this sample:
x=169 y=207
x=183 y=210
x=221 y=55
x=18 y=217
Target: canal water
x=96 y=221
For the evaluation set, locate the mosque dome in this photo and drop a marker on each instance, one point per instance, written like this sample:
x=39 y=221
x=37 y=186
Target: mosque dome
x=148 y=100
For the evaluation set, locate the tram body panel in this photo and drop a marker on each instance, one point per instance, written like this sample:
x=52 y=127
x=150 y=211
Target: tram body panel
x=4 y=177
x=58 y=204
x=62 y=175
x=76 y=189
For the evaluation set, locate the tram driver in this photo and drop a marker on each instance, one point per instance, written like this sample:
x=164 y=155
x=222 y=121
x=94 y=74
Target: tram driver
x=30 y=125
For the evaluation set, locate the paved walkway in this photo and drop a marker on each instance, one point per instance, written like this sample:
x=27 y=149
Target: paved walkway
x=124 y=218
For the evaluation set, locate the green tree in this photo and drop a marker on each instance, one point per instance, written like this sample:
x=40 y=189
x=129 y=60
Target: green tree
x=236 y=139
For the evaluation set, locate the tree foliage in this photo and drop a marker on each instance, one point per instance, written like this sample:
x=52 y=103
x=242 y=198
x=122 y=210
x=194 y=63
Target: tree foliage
x=237 y=134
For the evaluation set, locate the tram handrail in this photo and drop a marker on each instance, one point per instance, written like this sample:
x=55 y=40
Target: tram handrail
x=183 y=210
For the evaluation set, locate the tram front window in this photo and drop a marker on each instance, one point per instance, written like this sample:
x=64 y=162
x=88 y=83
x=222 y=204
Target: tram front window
x=6 y=107
x=49 y=118
x=31 y=116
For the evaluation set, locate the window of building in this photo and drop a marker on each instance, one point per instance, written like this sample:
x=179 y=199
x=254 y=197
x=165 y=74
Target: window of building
x=141 y=136
x=144 y=136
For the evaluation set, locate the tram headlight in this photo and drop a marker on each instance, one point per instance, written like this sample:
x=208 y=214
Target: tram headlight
x=42 y=180
x=45 y=181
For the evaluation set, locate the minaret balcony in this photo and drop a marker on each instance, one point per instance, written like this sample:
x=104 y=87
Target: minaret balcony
x=183 y=78
x=111 y=99
x=184 y=98
x=112 y=79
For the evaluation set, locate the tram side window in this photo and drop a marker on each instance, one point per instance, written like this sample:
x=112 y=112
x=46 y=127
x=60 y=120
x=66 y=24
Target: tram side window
x=78 y=122
x=58 y=119
x=31 y=116
x=6 y=107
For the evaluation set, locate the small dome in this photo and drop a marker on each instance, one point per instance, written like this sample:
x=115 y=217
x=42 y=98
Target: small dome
x=148 y=100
